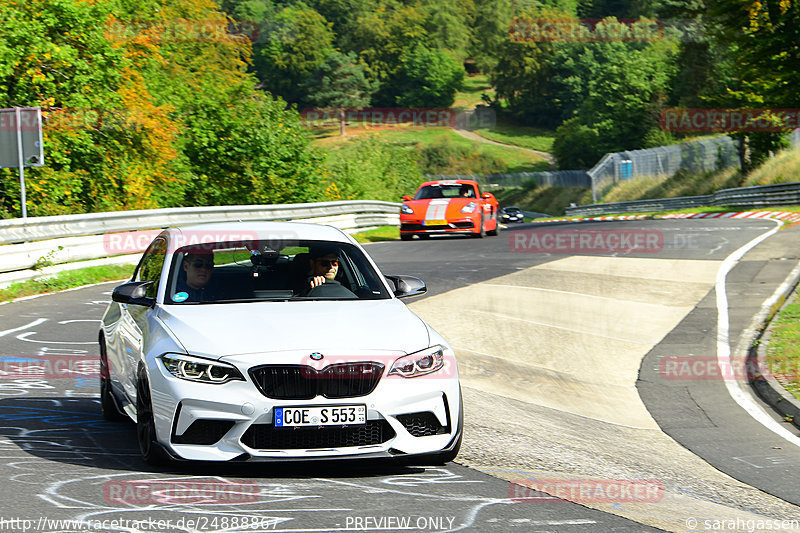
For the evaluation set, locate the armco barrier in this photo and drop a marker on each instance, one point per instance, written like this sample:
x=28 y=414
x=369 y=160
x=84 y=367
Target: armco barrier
x=68 y=238
x=758 y=196
x=41 y=228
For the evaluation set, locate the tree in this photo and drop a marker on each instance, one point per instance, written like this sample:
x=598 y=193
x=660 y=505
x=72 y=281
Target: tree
x=763 y=38
x=339 y=84
x=146 y=105
x=489 y=31
x=428 y=78
x=381 y=38
x=297 y=42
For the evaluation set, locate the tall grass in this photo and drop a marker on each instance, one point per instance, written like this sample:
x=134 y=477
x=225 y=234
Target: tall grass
x=783 y=168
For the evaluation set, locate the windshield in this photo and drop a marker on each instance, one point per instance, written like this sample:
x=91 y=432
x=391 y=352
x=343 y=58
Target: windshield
x=230 y=272
x=438 y=190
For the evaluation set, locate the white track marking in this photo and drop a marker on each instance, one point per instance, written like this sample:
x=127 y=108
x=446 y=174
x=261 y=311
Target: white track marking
x=723 y=342
x=32 y=324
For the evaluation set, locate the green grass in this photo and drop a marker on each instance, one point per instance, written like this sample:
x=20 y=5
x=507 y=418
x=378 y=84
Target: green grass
x=523 y=136
x=550 y=200
x=67 y=280
x=779 y=169
x=783 y=352
x=507 y=159
x=383 y=233
x=470 y=94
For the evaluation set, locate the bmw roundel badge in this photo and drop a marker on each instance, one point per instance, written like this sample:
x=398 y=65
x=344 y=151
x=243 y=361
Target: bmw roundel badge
x=316 y=356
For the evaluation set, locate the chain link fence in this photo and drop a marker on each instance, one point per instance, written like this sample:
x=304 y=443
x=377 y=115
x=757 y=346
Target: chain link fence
x=557 y=178
x=696 y=156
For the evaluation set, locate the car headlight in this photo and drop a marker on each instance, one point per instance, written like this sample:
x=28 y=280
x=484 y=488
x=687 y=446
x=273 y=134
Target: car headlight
x=406 y=210
x=201 y=370
x=469 y=208
x=419 y=363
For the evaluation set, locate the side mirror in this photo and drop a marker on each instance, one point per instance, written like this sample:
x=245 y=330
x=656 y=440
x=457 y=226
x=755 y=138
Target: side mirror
x=407 y=286
x=487 y=196
x=134 y=293
x=406 y=197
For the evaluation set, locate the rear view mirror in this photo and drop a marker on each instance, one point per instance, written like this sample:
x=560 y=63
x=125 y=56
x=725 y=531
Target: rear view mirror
x=407 y=197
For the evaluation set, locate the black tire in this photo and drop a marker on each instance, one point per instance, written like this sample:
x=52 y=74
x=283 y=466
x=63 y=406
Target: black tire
x=152 y=452
x=108 y=406
x=405 y=237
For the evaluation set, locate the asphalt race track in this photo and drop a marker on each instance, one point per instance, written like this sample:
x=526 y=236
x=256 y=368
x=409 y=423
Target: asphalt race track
x=561 y=357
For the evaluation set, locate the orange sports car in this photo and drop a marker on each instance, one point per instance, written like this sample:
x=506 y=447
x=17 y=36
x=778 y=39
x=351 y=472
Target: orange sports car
x=450 y=206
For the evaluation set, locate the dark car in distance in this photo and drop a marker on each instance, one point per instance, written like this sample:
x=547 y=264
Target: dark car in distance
x=510 y=215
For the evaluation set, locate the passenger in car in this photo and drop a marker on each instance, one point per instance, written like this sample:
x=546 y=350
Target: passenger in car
x=198 y=267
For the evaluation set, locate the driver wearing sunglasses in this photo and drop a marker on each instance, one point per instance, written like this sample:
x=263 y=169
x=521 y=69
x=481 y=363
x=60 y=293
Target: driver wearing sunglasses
x=324 y=263
x=198 y=267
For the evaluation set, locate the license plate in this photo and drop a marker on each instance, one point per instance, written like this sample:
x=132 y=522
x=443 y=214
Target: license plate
x=333 y=415
x=434 y=222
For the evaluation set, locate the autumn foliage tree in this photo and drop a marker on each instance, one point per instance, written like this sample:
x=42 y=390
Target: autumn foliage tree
x=146 y=104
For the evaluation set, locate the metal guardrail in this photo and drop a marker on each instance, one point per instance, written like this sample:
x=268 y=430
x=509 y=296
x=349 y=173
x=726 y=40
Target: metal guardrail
x=29 y=242
x=40 y=228
x=757 y=196
x=760 y=196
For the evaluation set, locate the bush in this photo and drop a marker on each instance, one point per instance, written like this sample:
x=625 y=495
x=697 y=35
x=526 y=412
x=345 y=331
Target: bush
x=443 y=156
x=575 y=145
x=371 y=169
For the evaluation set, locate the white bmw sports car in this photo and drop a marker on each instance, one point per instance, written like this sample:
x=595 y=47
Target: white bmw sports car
x=275 y=341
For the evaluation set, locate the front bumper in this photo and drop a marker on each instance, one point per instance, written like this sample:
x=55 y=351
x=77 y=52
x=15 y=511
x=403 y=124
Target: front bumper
x=420 y=227
x=234 y=421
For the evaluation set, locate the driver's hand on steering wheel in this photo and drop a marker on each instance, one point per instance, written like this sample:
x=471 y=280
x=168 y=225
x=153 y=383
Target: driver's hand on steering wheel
x=316 y=281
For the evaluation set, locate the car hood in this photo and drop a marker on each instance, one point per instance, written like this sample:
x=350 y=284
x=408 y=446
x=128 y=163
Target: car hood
x=219 y=330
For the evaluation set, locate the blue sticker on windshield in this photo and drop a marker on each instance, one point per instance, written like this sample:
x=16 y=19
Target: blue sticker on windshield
x=179 y=296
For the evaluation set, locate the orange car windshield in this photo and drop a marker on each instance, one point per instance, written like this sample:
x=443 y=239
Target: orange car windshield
x=445 y=191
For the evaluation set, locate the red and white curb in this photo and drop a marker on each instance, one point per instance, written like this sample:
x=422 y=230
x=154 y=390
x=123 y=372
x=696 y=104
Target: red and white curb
x=785 y=216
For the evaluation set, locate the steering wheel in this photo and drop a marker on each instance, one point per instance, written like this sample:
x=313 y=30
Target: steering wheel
x=330 y=289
